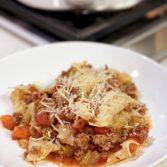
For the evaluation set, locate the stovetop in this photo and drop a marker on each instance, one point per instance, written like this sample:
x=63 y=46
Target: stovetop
x=79 y=25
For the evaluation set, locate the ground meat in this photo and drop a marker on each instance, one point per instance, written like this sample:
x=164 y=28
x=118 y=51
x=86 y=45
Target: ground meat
x=47 y=99
x=143 y=110
x=124 y=134
x=67 y=115
x=31 y=97
x=35 y=131
x=130 y=89
x=56 y=87
x=116 y=148
x=82 y=141
x=128 y=108
x=88 y=130
x=65 y=73
x=17 y=118
x=140 y=108
x=73 y=70
x=39 y=106
x=78 y=154
x=27 y=98
x=102 y=141
x=139 y=133
x=114 y=137
x=86 y=66
x=106 y=142
x=54 y=134
x=76 y=93
x=36 y=95
x=112 y=83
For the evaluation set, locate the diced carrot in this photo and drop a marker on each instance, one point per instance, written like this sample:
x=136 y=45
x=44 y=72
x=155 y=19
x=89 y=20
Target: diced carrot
x=20 y=132
x=7 y=121
x=100 y=130
x=133 y=147
x=79 y=124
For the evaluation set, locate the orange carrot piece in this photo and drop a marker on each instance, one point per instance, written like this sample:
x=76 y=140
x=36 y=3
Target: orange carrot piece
x=8 y=121
x=20 y=132
x=100 y=130
x=79 y=124
x=133 y=147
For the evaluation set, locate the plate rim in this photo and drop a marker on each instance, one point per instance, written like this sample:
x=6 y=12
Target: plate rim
x=136 y=54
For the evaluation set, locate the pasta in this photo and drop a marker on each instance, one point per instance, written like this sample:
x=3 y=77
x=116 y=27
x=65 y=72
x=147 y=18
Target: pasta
x=92 y=116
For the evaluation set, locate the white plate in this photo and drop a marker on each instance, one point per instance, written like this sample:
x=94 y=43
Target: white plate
x=45 y=63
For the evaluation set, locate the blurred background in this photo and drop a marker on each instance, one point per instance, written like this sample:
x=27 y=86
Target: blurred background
x=139 y=25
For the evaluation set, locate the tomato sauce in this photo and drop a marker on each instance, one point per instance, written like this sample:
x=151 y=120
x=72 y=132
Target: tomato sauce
x=70 y=162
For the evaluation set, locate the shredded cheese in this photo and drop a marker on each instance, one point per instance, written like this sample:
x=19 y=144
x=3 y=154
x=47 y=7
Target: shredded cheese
x=54 y=128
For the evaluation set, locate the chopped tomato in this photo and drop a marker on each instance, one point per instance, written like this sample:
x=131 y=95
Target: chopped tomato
x=8 y=121
x=43 y=119
x=102 y=161
x=20 y=132
x=133 y=147
x=100 y=130
x=79 y=124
